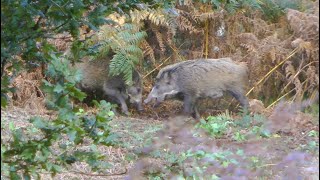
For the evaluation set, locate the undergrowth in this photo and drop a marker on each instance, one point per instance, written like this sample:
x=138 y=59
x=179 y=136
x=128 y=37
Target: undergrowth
x=181 y=151
x=241 y=129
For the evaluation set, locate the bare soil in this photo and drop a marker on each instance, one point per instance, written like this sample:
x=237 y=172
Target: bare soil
x=135 y=132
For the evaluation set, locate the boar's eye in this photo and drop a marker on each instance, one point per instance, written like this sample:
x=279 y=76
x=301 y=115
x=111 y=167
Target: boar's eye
x=168 y=83
x=138 y=90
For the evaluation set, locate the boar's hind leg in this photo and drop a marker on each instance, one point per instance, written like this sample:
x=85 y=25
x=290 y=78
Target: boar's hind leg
x=119 y=97
x=239 y=95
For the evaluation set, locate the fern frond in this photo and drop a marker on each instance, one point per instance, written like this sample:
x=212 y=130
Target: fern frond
x=290 y=75
x=132 y=38
x=148 y=51
x=232 y=6
x=116 y=63
x=120 y=64
x=104 y=50
x=124 y=41
x=157 y=17
x=313 y=78
x=159 y=38
x=206 y=16
x=139 y=15
x=185 y=2
x=133 y=58
x=133 y=49
x=172 y=26
x=186 y=25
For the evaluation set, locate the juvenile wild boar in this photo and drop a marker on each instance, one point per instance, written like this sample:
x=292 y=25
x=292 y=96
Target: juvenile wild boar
x=200 y=78
x=96 y=79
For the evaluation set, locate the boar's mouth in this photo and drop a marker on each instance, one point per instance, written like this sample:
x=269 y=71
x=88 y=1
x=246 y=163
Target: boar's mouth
x=156 y=104
x=139 y=107
x=146 y=101
x=157 y=100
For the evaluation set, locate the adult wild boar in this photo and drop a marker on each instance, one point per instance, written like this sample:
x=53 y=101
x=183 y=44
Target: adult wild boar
x=96 y=79
x=200 y=78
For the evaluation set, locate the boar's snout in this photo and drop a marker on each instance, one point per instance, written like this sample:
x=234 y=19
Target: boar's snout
x=146 y=101
x=150 y=97
x=140 y=107
x=156 y=104
x=138 y=104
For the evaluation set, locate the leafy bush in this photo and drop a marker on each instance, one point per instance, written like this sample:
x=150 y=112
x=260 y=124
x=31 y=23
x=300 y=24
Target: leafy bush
x=122 y=40
x=274 y=9
x=216 y=126
x=32 y=150
x=239 y=129
x=202 y=164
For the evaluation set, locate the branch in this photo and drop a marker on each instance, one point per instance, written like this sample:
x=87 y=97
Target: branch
x=156 y=67
x=36 y=26
x=272 y=70
x=3 y=63
x=90 y=174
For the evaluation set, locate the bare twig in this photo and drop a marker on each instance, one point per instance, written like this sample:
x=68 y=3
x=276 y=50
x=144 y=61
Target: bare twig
x=90 y=174
x=156 y=67
x=272 y=70
x=284 y=95
x=299 y=71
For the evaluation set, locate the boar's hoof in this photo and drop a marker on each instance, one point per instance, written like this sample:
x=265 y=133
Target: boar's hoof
x=126 y=113
x=195 y=115
x=146 y=101
x=156 y=104
x=141 y=109
x=114 y=110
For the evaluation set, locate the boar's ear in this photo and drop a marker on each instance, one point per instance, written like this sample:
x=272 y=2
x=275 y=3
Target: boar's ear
x=172 y=76
x=168 y=76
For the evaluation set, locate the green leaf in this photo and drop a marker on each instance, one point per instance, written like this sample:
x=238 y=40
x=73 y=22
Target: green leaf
x=72 y=135
x=313 y=133
x=111 y=114
x=58 y=88
x=216 y=3
x=26 y=176
x=48 y=166
x=93 y=147
x=11 y=126
x=28 y=154
x=75 y=92
x=4 y=101
x=14 y=175
x=38 y=122
x=56 y=168
x=240 y=152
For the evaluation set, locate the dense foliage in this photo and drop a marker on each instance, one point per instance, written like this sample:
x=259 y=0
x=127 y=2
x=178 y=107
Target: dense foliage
x=26 y=30
x=51 y=145
x=280 y=46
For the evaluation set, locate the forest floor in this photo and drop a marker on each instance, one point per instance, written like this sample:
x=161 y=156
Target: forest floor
x=287 y=154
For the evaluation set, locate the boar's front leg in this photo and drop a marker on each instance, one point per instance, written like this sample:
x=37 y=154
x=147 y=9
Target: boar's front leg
x=119 y=97
x=189 y=104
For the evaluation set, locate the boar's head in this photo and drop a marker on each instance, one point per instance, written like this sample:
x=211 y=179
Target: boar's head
x=165 y=85
x=134 y=92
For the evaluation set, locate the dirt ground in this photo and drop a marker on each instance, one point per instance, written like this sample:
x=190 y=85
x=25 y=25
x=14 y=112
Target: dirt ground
x=135 y=132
